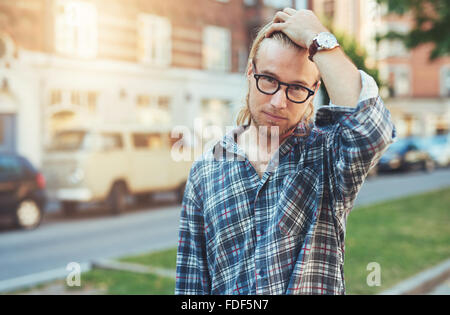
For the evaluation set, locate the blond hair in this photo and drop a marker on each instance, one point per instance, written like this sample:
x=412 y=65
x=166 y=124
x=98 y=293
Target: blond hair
x=244 y=116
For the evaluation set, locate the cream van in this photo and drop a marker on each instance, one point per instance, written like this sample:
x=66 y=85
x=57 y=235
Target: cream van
x=112 y=164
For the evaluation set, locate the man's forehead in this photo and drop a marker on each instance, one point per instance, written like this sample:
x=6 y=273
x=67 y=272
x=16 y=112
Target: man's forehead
x=287 y=63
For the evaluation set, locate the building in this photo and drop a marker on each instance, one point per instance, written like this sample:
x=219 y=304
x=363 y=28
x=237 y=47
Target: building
x=419 y=89
x=418 y=94
x=85 y=62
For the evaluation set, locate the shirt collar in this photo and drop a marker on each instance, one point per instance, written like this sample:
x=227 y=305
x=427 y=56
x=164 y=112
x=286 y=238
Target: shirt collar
x=229 y=141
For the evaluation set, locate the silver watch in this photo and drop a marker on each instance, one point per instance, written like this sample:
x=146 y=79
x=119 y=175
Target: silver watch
x=323 y=41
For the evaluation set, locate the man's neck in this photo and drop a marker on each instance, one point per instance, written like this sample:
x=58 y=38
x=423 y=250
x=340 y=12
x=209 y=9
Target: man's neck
x=260 y=145
x=265 y=138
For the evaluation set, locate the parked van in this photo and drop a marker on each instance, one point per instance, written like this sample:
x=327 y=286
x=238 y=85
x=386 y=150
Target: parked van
x=110 y=164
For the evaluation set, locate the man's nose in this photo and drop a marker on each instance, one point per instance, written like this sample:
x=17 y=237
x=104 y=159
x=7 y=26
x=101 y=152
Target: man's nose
x=279 y=99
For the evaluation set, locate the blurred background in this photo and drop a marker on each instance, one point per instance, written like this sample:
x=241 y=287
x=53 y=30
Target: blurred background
x=90 y=91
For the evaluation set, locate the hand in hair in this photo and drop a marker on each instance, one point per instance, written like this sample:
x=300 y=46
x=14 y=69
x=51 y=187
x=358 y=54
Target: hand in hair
x=300 y=26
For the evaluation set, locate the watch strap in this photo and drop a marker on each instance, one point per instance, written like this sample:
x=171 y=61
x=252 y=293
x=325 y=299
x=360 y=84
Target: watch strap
x=313 y=49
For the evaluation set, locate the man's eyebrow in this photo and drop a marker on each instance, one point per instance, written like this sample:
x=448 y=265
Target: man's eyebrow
x=276 y=77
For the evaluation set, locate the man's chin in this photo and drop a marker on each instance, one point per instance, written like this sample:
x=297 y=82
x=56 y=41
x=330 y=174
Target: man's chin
x=271 y=128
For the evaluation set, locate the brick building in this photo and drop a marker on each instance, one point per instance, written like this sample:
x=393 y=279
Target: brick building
x=419 y=90
x=161 y=63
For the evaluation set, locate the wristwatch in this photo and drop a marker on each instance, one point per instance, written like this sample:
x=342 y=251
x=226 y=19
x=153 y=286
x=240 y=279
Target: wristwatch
x=323 y=41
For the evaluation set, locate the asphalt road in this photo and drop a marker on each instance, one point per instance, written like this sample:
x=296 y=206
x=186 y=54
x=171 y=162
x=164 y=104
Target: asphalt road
x=94 y=234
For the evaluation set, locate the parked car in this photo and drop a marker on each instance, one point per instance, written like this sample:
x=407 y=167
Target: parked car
x=406 y=154
x=439 y=149
x=109 y=164
x=22 y=191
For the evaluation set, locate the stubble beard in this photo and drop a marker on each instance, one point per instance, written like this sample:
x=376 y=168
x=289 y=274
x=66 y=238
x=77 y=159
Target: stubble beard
x=270 y=130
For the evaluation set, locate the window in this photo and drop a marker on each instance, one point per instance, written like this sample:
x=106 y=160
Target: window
x=393 y=47
x=154 y=40
x=216 y=48
x=76 y=28
x=301 y=4
x=278 y=4
x=216 y=112
x=329 y=8
x=445 y=81
x=75 y=98
x=150 y=141
x=92 y=101
x=55 y=97
x=152 y=109
x=111 y=141
x=68 y=141
x=399 y=82
x=10 y=166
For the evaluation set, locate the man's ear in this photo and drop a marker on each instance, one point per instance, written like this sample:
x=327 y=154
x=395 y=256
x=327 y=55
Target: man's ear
x=250 y=68
x=317 y=87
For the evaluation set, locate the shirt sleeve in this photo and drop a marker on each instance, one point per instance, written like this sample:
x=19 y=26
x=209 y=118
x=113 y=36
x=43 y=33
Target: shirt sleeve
x=192 y=276
x=358 y=138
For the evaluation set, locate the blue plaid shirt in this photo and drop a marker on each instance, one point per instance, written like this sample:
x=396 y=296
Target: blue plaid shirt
x=282 y=233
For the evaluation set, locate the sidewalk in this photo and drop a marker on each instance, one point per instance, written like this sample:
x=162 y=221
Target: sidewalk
x=435 y=280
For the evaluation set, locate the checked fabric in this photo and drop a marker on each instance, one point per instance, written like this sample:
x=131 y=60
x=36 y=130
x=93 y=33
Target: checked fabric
x=284 y=232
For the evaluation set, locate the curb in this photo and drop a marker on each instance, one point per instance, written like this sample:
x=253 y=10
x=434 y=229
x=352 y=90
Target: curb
x=25 y=282
x=123 y=266
x=423 y=282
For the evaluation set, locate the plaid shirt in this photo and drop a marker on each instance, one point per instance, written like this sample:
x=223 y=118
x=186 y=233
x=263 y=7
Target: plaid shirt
x=282 y=233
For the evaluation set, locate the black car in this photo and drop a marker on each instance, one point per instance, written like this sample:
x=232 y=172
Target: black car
x=406 y=154
x=22 y=191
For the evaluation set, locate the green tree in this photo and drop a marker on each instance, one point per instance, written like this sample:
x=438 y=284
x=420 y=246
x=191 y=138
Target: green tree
x=431 y=24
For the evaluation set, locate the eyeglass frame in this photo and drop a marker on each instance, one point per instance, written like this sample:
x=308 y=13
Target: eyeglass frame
x=257 y=76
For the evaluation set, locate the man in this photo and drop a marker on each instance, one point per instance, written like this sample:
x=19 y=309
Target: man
x=250 y=227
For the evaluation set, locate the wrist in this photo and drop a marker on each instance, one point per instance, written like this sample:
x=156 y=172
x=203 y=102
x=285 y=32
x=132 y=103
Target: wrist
x=323 y=41
x=310 y=39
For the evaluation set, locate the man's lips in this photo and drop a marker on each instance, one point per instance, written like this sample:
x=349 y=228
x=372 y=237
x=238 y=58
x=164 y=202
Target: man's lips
x=272 y=116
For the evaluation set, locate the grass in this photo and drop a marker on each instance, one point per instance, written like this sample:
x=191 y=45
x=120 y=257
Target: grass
x=403 y=236
x=126 y=283
x=164 y=259
x=123 y=282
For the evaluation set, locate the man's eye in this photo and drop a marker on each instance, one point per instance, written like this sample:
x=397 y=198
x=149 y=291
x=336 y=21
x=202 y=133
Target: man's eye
x=270 y=80
x=297 y=88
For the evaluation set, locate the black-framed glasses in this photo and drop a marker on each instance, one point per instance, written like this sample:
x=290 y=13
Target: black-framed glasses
x=267 y=84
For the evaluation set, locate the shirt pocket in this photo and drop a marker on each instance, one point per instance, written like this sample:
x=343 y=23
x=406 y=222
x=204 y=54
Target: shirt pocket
x=298 y=202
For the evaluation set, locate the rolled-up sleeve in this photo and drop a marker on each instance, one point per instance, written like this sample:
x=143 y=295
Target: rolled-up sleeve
x=192 y=275
x=357 y=137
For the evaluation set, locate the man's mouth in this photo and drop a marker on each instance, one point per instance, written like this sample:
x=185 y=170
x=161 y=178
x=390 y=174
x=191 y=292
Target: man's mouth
x=274 y=117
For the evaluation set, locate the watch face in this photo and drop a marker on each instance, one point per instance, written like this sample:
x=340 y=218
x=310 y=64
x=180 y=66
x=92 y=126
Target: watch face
x=327 y=40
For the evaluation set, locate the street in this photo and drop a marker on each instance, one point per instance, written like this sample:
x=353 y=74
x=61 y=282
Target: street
x=94 y=234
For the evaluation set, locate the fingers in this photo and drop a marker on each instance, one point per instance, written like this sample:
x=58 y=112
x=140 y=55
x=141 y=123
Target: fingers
x=275 y=27
x=290 y=11
x=280 y=17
